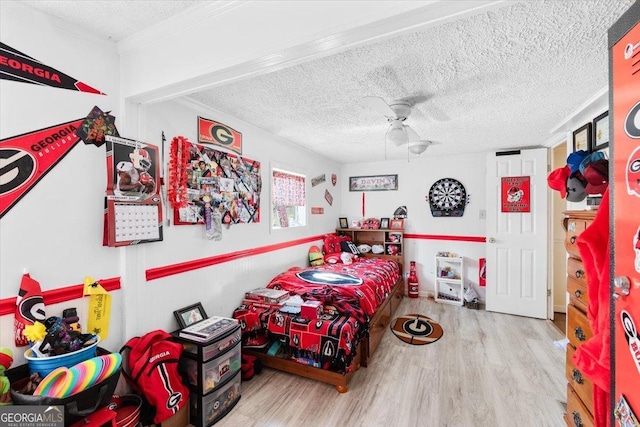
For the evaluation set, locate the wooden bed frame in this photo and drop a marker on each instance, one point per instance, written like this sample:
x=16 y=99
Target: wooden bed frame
x=377 y=326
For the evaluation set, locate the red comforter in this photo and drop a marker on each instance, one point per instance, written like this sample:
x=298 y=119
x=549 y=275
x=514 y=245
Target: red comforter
x=364 y=283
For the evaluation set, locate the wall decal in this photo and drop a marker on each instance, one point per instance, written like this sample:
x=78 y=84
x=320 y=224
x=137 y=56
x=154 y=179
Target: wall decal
x=373 y=183
x=317 y=210
x=211 y=132
x=334 y=179
x=18 y=67
x=25 y=159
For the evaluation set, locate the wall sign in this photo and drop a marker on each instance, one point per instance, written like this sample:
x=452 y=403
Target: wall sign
x=515 y=194
x=373 y=183
x=211 y=132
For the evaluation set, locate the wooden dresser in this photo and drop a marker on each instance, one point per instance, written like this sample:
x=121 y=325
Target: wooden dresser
x=579 y=388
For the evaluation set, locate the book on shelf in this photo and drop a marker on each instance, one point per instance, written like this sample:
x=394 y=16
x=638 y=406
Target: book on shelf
x=208 y=329
x=274 y=296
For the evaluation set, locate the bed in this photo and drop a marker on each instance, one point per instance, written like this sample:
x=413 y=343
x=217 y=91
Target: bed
x=359 y=300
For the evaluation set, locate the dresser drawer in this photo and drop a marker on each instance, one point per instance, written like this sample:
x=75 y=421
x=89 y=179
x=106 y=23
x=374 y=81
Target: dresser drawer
x=573 y=228
x=578 y=293
x=577 y=414
x=578 y=329
x=580 y=384
x=575 y=269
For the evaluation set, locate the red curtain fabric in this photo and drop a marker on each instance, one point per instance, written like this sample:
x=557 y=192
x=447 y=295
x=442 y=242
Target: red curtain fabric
x=288 y=189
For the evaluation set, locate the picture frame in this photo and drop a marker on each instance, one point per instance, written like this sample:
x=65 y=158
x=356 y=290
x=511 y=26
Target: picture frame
x=396 y=224
x=600 y=138
x=582 y=138
x=373 y=183
x=344 y=223
x=189 y=315
x=384 y=223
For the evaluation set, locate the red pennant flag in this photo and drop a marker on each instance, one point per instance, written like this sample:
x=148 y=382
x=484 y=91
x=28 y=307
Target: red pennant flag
x=29 y=308
x=25 y=159
x=18 y=67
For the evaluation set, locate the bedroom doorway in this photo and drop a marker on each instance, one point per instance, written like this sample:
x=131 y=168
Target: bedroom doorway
x=558 y=253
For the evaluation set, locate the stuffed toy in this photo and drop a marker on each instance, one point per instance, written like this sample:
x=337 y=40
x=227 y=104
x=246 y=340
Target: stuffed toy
x=6 y=359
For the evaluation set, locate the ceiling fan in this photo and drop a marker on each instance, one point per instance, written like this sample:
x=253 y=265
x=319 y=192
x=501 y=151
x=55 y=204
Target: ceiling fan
x=396 y=113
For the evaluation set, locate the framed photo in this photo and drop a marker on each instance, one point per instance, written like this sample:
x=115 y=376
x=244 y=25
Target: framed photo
x=373 y=183
x=344 y=223
x=189 y=315
x=582 y=138
x=600 y=138
x=396 y=224
x=384 y=222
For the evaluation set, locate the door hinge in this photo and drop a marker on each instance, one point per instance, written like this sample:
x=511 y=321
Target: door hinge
x=548 y=292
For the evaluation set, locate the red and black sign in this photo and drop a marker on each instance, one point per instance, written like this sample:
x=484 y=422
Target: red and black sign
x=16 y=66
x=25 y=159
x=210 y=132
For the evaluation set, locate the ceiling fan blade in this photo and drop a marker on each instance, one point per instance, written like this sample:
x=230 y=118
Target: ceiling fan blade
x=413 y=136
x=378 y=104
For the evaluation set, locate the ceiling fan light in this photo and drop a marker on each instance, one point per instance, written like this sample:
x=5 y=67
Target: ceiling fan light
x=397 y=135
x=418 y=147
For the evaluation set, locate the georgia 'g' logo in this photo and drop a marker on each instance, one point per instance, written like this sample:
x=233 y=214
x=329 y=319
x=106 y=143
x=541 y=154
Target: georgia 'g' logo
x=174 y=400
x=222 y=134
x=16 y=169
x=632 y=122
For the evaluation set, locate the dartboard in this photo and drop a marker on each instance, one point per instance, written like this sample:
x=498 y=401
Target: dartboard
x=447 y=197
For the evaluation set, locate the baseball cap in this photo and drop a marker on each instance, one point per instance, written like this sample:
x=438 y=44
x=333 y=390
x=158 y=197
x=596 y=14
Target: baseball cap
x=593 y=157
x=576 y=191
x=575 y=158
x=597 y=176
x=557 y=180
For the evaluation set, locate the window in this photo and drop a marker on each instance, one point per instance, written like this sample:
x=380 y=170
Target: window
x=288 y=199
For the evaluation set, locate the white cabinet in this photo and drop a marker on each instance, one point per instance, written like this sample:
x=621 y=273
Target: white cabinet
x=449 y=280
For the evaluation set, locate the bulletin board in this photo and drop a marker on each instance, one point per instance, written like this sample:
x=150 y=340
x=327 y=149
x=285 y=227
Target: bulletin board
x=231 y=182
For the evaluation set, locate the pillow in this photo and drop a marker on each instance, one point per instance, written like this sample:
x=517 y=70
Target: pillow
x=364 y=248
x=377 y=249
x=350 y=247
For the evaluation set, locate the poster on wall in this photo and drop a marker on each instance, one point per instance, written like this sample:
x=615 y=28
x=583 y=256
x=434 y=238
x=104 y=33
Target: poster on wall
x=515 y=194
x=134 y=210
x=18 y=67
x=25 y=159
x=212 y=132
x=231 y=183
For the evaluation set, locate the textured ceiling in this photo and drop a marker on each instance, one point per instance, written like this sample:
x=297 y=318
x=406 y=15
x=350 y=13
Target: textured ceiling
x=492 y=81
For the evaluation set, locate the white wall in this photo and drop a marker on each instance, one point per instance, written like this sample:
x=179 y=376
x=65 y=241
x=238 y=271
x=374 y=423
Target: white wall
x=55 y=231
x=415 y=178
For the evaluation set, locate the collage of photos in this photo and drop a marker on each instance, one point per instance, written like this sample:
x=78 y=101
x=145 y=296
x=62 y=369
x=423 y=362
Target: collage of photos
x=224 y=182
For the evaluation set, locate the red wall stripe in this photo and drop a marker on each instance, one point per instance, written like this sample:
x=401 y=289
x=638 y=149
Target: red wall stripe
x=53 y=296
x=445 y=237
x=169 y=270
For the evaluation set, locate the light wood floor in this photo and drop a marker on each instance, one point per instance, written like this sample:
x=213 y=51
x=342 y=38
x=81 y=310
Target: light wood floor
x=488 y=369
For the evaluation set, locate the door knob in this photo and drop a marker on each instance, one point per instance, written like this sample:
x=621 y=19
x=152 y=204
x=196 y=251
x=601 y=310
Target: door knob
x=491 y=240
x=621 y=286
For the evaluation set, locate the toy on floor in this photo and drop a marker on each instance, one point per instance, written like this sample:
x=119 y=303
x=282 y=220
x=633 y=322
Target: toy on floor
x=6 y=359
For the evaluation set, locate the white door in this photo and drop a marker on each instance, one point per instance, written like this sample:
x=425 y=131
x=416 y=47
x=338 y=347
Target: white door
x=517 y=241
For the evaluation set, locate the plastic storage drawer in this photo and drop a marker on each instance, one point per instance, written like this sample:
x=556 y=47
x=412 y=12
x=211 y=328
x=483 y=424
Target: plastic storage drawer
x=209 y=408
x=214 y=371
x=206 y=351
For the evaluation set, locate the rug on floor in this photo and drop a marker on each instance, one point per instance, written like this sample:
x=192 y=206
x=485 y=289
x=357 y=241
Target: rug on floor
x=416 y=329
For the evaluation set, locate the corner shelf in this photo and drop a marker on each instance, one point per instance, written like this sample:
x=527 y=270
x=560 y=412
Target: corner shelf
x=449 y=280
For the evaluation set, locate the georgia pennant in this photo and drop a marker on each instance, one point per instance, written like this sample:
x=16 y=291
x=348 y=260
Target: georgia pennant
x=25 y=159
x=18 y=67
x=29 y=308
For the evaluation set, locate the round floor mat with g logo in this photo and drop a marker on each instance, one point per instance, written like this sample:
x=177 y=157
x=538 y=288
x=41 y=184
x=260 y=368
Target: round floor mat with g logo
x=416 y=329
